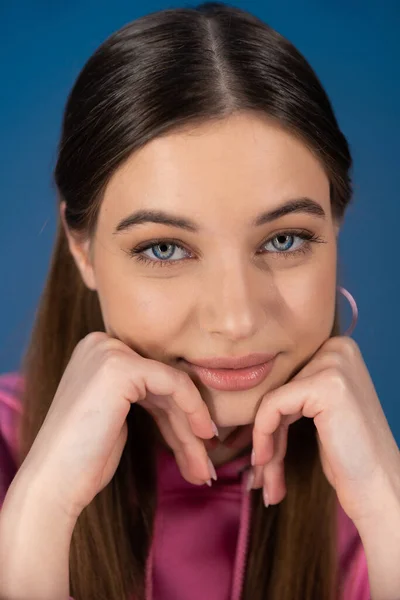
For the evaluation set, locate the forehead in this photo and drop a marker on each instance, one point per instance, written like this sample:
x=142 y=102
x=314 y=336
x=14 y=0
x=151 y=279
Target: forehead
x=238 y=165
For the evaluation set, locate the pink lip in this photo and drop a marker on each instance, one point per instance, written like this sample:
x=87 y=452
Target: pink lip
x=233 y=379
x=233 y=362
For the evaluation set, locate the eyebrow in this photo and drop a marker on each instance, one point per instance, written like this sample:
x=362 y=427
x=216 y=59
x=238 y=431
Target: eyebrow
x=296 y=205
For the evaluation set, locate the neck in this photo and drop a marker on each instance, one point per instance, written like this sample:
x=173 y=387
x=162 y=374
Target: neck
x=231 y=442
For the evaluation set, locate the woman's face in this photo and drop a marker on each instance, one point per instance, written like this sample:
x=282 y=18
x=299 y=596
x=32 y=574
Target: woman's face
x=230 y=288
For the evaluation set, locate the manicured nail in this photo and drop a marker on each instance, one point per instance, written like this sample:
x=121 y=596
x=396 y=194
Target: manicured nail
x=209 y=482
x=215 y=429
x=253 y=457
x=212 y=470
x=265 y=496
x=250 y=480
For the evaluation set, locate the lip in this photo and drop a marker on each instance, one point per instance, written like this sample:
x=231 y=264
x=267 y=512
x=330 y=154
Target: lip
x=233 y=362
x=233 y=379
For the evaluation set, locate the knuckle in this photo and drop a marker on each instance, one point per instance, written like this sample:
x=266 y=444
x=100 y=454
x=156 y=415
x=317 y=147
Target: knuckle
x=138 y=389
x=183 y=381
x=343 y=345
x=334 y=377
x=334 y=360
x=83 y=345
x=182 y=377
x=168 y=372
x=351 y=347
x=110 y=359
x=94 y=337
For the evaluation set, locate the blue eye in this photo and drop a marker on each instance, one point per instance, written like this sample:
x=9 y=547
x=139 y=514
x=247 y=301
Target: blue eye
x=164 y=249
x=283 y=242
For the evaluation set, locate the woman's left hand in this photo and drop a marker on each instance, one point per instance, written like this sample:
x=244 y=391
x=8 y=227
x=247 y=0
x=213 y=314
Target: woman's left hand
x=359 y=454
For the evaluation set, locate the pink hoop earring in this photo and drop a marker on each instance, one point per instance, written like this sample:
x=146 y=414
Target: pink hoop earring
x=354 y=309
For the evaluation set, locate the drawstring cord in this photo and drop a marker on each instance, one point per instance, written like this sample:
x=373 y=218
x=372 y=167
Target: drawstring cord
x=243 y=538
x=241 y=548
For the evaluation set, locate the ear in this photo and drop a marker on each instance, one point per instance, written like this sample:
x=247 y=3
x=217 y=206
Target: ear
x=337 y=224
x=79 y=246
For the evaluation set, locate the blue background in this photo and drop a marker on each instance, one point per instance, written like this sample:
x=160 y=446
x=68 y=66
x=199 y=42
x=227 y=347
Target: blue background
x=354 y=46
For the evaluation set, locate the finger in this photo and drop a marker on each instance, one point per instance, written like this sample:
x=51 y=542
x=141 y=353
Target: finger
x=274 y=470
x=280 y=439
x=283 y=405
x=257 y=477
x=162 y=382
x=184 y=408
x=274 y=482
x=184 y=456
x=259 y=470
x=193 y=447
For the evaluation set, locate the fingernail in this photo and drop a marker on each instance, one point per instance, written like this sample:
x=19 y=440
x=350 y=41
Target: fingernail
x=209 y=482
x=265 y=496
x=250 y=480
x=253 y=457
x=212 y=470
x=215 y=429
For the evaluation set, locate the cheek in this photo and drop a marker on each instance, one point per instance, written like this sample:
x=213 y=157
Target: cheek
x=145 y=315
x=309 y=299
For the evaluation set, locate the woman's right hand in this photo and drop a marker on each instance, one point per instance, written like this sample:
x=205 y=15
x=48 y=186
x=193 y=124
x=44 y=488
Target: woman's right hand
x=78 y=448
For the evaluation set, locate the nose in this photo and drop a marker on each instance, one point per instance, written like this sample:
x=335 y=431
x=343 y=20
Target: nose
x=231 y=303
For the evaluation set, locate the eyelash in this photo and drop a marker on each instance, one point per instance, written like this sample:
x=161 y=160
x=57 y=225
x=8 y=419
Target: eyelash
x=307 y=236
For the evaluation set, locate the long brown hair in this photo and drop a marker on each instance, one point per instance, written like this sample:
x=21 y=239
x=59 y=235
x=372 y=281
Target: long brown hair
x=169 y=69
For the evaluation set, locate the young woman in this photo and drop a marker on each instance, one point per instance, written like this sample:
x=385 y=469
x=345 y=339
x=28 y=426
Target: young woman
x=202 y=181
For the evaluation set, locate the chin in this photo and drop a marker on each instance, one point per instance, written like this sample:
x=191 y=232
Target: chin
x=227 y=411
